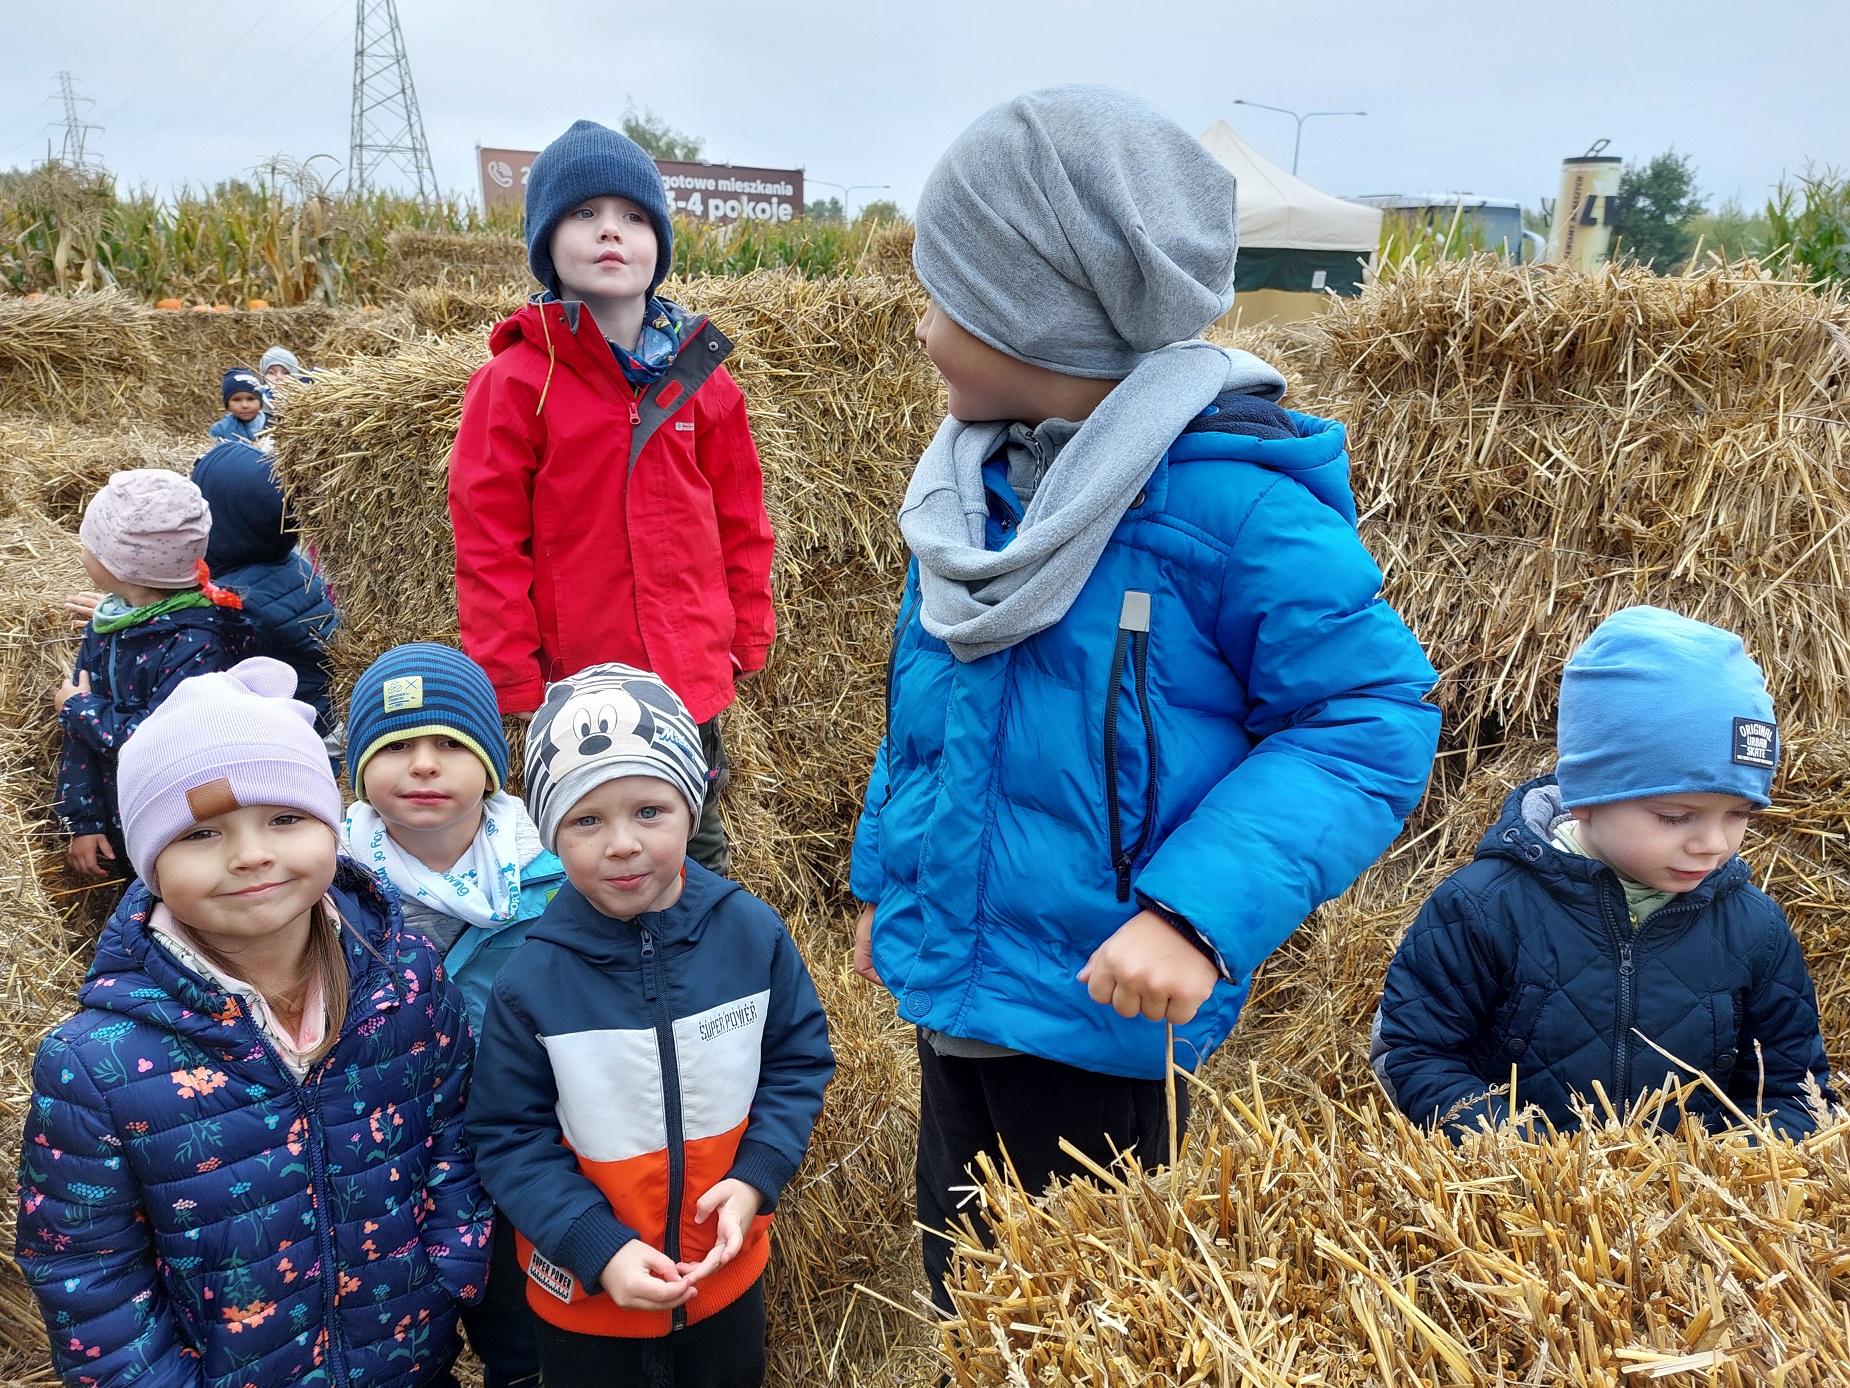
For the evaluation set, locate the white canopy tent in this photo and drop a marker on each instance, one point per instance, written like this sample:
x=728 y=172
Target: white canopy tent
x=1293 y=237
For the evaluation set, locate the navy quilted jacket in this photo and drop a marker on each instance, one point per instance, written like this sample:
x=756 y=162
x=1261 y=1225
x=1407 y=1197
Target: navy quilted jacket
x=131 y=671
x=1527 y=957
x=191 y=1215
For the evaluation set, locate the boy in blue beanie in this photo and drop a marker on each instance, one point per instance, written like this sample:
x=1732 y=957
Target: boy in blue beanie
x=1148 y=709
x=244 y=420
x=252 y=552
x=605 y=493
x=1608 y=905
x=427 y=761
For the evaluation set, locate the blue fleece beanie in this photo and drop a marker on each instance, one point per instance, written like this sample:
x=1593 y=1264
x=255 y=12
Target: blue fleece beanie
x=240 y=380
x=592 y=161
x=423 y=690
x=1657 y=704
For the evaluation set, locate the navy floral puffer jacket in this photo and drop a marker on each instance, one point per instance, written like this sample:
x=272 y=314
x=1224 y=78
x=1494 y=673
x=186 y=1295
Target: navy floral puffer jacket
x=191 y=1215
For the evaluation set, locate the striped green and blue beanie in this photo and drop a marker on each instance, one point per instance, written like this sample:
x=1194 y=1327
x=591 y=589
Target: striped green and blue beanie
x=424 y=690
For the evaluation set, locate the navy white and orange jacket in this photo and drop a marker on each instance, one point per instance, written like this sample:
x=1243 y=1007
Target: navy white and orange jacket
x=628 y=1066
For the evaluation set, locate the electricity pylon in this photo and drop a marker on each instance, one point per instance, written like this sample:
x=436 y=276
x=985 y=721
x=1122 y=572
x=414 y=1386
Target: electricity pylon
x=388 y=132
x=77 y=131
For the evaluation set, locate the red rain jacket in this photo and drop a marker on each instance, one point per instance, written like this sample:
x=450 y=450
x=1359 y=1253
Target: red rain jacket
x=596 y=522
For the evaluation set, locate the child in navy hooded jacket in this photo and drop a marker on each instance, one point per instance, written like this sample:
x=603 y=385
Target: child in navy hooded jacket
x=652 y=1061
x=252 y=551
x=1148 y=709
x=157 y=621
x=245 y=419
x=1607 y=914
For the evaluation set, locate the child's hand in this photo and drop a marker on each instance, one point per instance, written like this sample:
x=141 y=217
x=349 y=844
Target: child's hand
x=864 y=945
x=526 y=717
x=1147 y=967
x=87 y=854
x=641 y=1278
x=737 y=1204
x=68 y=691
x=83 y=605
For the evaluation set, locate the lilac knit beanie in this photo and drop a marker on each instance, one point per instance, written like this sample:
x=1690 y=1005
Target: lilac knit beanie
x=217 y=743
x=148 y=526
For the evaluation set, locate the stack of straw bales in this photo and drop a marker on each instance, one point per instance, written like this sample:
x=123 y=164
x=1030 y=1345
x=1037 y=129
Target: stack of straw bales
x=1302 y=1242
x=106 y=359
x=1535 y=451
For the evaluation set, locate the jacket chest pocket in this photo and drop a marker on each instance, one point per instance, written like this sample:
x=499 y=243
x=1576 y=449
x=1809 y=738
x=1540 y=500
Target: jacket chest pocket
x=1515 y=1025
x=1725 y=1015
x=1130 y=660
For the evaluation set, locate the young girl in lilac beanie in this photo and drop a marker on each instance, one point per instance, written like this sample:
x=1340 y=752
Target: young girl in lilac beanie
x=243 y=1160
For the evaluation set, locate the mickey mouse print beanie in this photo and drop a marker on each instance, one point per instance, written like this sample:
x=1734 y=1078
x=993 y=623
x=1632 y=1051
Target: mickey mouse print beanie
x=605 y=722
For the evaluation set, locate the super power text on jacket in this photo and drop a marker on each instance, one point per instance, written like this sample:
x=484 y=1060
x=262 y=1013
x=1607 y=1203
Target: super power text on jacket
x=192 y=1217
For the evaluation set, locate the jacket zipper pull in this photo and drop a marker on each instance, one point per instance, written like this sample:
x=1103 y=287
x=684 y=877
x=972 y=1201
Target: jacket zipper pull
x=635 y=414
x=648 y=966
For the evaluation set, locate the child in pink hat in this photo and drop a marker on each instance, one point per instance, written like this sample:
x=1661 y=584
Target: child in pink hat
x=156 y=620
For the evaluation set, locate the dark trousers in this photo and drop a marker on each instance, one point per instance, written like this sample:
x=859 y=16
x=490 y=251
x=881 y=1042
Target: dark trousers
x=502 y=1329
x=1027 y=1105
x=724 y=1351
x=708 y=846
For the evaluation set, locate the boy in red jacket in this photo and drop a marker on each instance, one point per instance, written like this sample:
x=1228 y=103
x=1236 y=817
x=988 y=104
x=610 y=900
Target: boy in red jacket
x=604 y=488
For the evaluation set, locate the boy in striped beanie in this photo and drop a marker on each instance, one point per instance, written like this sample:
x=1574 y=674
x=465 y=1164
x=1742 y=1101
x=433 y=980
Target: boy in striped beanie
x=428 y=760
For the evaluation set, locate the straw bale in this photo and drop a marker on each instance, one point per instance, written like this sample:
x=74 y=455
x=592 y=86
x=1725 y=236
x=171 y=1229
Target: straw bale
x=355 y=335
x=1534 y=449
x=1302 y=1242
x=57 y=468
x=194 y=350
x=422 y=257
x=80 y=355
x=888 y=251
x=455 y=306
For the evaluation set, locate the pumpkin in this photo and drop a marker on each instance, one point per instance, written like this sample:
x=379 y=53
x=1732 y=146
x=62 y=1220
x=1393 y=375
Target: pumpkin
x=171 y=305
x=257 y=304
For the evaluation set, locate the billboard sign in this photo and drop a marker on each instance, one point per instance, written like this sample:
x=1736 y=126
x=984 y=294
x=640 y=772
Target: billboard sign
x=717 y=193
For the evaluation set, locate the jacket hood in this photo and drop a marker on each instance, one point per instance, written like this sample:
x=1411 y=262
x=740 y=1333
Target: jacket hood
x=1317 y=459
x=132 y=974
x=223 y=619
x=573 y=923
x=1524 y=835
x=251 y=520
x=540 y=319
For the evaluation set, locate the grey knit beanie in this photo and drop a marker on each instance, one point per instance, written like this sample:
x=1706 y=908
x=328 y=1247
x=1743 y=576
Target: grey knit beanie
x=1078 y=228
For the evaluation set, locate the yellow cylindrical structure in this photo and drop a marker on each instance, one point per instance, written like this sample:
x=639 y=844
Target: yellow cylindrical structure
x=1581 y=232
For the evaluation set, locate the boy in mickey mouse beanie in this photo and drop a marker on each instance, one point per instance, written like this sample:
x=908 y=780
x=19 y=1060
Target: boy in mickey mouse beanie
x=1607 y=915
x=650 y=987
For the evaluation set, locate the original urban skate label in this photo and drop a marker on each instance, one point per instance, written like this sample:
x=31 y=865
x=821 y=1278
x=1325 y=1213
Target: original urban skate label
x=1756 y=743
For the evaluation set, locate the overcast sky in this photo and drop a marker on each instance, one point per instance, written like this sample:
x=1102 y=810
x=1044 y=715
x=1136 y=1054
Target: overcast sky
x=1460 y=96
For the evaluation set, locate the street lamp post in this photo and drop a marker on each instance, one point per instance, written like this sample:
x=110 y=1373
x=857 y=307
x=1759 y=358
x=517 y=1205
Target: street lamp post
x=1298 y=142
x=849 y=189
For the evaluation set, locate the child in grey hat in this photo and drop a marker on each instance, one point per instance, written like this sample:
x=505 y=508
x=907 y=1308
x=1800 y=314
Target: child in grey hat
x=1148 y=708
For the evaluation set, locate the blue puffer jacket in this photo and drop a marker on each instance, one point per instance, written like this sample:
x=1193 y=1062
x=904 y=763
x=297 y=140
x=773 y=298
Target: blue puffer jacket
x=252 y=551
x=1238 y=766
x=193 y=1217
x=1527 y=958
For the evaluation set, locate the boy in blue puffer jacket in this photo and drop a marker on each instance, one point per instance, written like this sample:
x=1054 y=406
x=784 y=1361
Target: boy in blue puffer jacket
x=252 y=552
x=1607 y=910
x=1147 y=708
